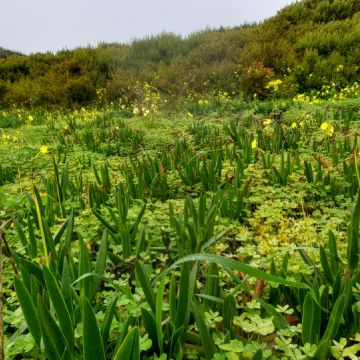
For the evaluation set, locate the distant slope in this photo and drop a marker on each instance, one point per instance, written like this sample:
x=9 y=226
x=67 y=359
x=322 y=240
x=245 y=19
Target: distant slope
x=5 y=52
x=306 y=45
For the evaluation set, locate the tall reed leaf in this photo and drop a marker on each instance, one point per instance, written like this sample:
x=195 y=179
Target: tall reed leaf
x=145 y=284
x=93 y=347
x=130 y=348
x=60 y=307
x=28 y=309
x=234 y=265
x=54 y=340
x=205 y=336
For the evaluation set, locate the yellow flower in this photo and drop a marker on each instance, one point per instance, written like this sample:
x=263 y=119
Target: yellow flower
x=301 y=123
x=136 y=111
x=254 y=144
x=294 y=125
x=330 y=131
x=327 y=128
x=273 y=85
x=30 y=118
x=324 y=126
x=267 y=122
x=43 y=149
x=189 y=114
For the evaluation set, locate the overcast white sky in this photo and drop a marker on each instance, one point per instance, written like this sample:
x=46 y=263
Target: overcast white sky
x=52 y=25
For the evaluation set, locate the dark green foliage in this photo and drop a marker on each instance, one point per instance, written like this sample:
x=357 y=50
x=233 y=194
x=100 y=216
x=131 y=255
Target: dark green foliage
x=307 y=37
x=7 y=174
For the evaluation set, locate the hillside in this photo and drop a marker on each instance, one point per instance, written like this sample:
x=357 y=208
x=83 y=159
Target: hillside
x=5 y=52
x=307 y=45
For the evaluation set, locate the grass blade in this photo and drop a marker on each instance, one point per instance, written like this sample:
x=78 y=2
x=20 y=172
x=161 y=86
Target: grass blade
x=93 y=347
x=54 y=340
x=105 y=329
x=145 y=284
x=60 y=307
x=130 y=348
x=29 y=310
x=100 y=265
x=234 y=265
x=158 y=315
x=205 y=336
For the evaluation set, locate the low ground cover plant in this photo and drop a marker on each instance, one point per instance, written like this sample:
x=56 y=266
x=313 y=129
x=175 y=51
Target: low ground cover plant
x=212 y=237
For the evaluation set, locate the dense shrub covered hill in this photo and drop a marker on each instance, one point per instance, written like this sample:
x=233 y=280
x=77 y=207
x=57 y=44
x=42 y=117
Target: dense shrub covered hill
x=5 y=53
x=306 y=46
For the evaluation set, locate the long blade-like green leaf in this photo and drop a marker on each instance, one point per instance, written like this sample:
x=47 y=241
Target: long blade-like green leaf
x=309 y=314
x=60 y=307
x=93 y=347
x=100 y=265
x=233 y=265
x=54 y=340
x=158 y=315
x=331 y=328
x=105 y=329
x=29 y=310
x=205 y=336
x=130 y=348
x=145 y=284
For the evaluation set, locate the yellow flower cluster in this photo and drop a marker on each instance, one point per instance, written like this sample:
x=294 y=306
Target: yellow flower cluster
x=306 y=99
x=223 y=96
x=331 y=91
x=267 y=124
x=350 y=91
x=149 y=98
x=273 y=85
x=327 y=128
x=7 y=138
x=144 y=111
x=203 y=102
x=100 y=94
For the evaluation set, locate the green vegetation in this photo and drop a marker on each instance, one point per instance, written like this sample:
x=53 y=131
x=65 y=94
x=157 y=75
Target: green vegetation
x=308 y=47
x=185 y=198
x=232 y=235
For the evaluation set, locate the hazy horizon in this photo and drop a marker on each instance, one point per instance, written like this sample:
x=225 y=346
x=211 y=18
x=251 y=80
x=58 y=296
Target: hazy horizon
x=45 y=25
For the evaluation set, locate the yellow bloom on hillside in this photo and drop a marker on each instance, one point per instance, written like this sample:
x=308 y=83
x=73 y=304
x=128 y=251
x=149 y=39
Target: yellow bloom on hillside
x=189 y=114
x=254 y=144
x=294 y=125
x=30 y=118
x=43 y=149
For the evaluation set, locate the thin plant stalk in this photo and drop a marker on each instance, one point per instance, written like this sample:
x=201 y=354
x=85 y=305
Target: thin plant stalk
x=38 y=212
